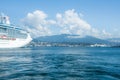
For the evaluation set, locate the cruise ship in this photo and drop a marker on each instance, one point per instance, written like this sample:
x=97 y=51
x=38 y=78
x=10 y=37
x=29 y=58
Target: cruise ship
x=11 y=36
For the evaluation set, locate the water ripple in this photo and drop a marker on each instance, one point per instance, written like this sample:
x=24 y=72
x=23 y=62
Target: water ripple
x=58 y=64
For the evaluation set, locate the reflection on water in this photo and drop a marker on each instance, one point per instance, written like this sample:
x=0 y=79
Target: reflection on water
x=57 y=63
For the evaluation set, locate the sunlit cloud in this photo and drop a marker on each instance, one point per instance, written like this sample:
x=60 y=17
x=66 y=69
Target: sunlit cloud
x=72 y=23
x=69 y=22
x=37 y=23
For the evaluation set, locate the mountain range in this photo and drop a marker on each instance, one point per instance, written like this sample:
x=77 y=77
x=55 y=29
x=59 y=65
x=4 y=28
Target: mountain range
x=67 y=38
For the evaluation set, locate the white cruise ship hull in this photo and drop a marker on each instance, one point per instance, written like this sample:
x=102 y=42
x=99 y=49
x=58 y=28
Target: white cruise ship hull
x=18 y=42
x=11 y=36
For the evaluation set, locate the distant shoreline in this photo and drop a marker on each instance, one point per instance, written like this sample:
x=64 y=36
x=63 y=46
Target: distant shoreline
x=55 y=44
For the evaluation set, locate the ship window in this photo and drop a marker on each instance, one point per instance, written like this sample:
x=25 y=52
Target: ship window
x=16 y=34
x=3 y=30
x=13 y=33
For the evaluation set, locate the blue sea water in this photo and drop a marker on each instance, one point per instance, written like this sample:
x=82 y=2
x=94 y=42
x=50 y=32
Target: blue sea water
x=60 y=63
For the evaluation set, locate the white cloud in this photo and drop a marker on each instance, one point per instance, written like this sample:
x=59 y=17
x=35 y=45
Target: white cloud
x=100 y=34
x=72 y=23
x=106 y=34
x=37 y=24
x=69 y=22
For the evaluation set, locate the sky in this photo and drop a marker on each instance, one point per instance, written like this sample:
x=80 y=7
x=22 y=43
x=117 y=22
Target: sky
x=98 y=18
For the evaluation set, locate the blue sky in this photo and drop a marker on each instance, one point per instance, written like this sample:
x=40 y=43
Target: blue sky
x=101 y=15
